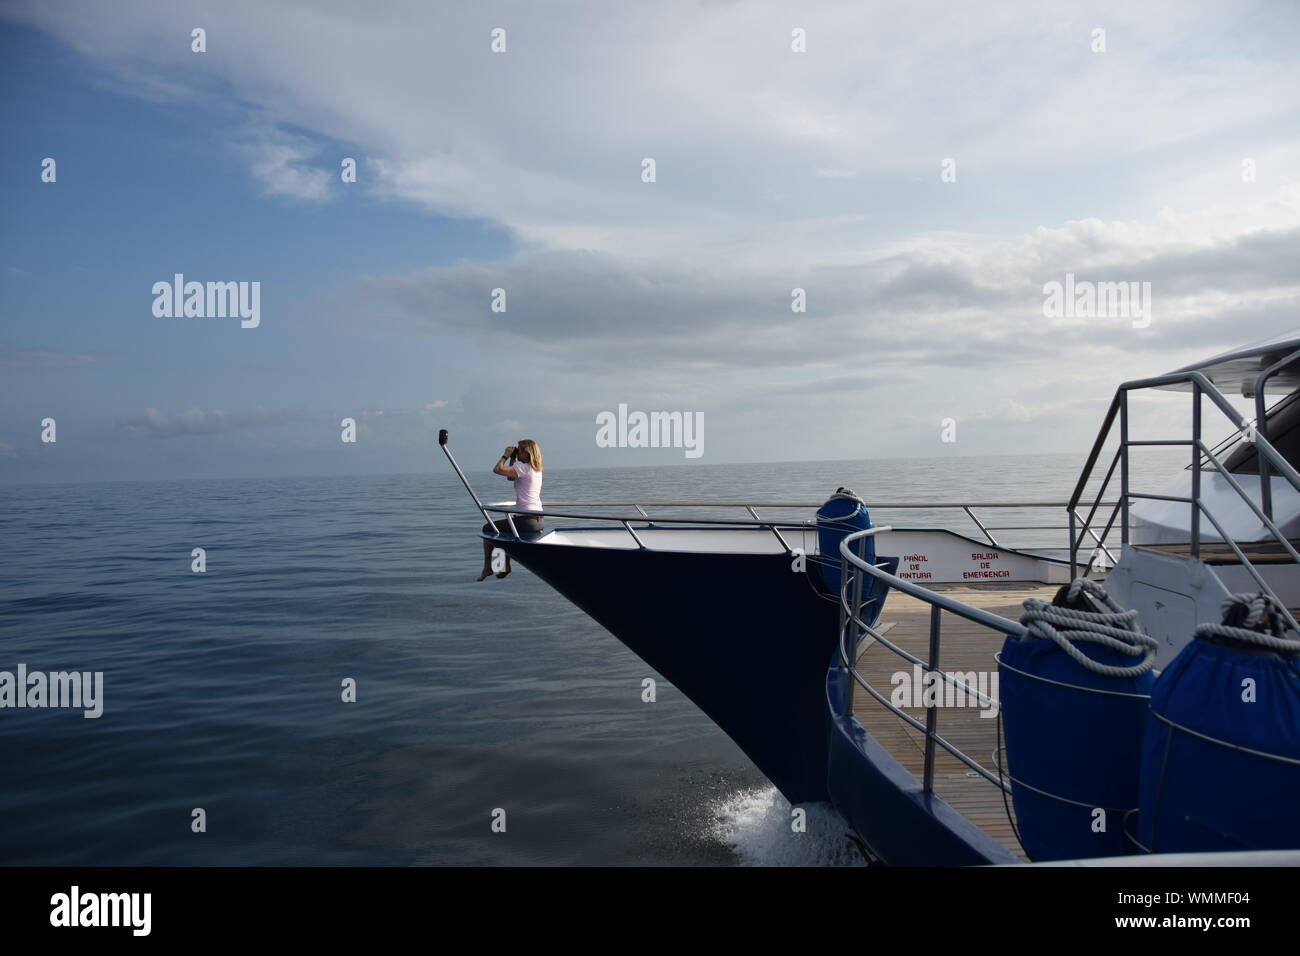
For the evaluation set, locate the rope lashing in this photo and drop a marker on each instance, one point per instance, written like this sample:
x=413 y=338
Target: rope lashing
x=842 y=494
x=1257 y=619
x=1115 y=628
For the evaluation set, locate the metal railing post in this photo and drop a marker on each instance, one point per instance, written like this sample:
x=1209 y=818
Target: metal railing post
x=627 y=525
x=851 y=619
x=1074 y=548
x=1106 y=424
x=844 y=590
x=1101 y=545
x=932 y=714
x=775 y=530
x=980 y=524
x=1265 y=479
x=1196 y=470
x=857 y=602
x=1261 y=428
x=1123 y=468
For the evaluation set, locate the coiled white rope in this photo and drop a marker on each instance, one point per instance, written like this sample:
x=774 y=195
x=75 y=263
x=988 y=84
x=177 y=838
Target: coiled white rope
x=846 y=493
x=1115 y=628
x=1263 y=623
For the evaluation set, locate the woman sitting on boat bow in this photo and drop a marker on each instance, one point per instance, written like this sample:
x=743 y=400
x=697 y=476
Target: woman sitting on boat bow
x=522 y=464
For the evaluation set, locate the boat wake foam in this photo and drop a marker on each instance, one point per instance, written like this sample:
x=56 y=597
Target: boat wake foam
x=756 y=824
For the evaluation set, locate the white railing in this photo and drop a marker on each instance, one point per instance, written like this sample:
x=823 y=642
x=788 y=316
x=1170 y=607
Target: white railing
x=970 y=510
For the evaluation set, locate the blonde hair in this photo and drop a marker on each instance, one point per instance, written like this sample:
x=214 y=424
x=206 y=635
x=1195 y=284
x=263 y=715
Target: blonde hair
x=531 y=453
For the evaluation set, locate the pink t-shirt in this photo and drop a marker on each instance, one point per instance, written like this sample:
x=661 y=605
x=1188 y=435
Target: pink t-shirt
x=528 y=487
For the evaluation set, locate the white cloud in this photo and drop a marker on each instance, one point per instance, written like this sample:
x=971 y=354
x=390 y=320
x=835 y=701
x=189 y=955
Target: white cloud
x=548 y=137
x=280 y=164
x=776 y=170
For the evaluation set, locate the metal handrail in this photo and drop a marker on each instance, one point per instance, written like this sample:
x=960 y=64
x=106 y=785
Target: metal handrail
x=1262 y=414
x=938 y=603
x=952 y=605
x=799 y=504
x=749 y=522
x=774 y=527
x=853 y=627
x=1201 y=454
x=1275 y=458
x=968 y=508
x=1206 y=388
x=1261 y=425
x=1102 y=434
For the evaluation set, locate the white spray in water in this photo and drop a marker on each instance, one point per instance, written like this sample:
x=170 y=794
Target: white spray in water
x=757 y=825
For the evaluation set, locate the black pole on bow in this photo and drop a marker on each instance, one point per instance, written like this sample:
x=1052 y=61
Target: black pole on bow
x=442 y=442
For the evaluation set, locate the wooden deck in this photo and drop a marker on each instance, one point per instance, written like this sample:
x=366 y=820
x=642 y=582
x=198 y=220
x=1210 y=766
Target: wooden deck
x=965 y=647
x=1217 y=552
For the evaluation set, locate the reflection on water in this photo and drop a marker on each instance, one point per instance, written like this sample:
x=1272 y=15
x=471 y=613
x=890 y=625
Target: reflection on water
x=222 y=689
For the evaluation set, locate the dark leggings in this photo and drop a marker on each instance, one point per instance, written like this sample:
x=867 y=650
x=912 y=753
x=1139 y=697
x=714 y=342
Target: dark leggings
x=525 y=525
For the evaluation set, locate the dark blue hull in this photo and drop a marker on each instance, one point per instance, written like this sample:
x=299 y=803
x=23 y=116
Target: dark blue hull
x=744 y=636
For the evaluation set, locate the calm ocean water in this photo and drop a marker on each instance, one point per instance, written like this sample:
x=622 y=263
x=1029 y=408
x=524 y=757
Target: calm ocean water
x=222 y=689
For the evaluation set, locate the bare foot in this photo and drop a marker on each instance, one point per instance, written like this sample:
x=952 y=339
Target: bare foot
x=503 y=574
x=486 y=574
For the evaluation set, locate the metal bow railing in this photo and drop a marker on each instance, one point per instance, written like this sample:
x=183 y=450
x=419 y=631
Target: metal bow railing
x=971 y=510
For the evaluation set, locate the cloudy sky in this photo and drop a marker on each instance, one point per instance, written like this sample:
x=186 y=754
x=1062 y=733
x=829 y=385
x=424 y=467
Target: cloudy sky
x=822 y=170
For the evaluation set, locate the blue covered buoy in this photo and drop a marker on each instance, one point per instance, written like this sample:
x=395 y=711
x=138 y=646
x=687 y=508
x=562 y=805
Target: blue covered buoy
x=841 y=515
x=1073 y=721
x=1221 y=762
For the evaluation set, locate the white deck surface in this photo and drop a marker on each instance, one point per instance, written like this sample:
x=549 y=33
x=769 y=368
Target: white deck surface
x=740 y=541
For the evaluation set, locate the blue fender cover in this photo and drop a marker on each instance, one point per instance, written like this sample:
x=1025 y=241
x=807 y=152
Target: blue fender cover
x=1203 y=795
x=836 y=519
x=1083 y=748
